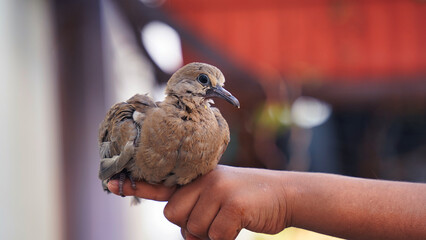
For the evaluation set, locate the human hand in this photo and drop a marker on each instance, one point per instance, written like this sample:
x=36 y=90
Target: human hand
x=219 y=204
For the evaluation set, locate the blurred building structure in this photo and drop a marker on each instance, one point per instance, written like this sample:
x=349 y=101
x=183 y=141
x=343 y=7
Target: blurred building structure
x=365 y=58
x=314 y=42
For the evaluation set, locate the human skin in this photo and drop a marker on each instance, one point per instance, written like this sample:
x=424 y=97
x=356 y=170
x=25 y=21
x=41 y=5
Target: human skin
x=219 y=204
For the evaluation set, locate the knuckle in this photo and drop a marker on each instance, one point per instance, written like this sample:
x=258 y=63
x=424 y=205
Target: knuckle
x=219 y=185
x=236 y=201
x=236 y=206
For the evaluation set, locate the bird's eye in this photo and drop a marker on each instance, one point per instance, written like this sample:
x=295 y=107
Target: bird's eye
x=203 y=79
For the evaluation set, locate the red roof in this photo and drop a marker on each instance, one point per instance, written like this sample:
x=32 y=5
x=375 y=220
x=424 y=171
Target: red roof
x=315 y=39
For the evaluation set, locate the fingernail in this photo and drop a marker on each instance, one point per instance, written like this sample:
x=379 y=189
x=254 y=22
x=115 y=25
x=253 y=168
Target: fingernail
x=183 y=232
x=191 y=237
x=112 y=183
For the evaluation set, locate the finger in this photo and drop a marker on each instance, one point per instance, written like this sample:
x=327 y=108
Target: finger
x=143 y=190
x=183 y=232
x=188 y=236
x=202 y=215
x=226 y=225
x=181 y=203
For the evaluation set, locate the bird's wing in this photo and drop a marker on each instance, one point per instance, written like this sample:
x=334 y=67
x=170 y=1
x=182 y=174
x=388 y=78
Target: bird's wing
x=119 y=133
x=224 y=133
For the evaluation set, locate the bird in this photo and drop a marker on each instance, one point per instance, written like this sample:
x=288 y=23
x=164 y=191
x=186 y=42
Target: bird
x=170 y=142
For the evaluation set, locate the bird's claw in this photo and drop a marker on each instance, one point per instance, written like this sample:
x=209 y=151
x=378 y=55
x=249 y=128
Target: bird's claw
x=122 y=179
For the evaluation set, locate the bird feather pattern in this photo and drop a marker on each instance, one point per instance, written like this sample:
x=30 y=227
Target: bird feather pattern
x=169 y=142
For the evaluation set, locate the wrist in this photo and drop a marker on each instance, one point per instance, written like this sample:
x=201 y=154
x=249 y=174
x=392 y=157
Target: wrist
x=289 y=193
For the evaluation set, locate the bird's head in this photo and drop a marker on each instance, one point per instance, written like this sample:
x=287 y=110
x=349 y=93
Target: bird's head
x=199 y=80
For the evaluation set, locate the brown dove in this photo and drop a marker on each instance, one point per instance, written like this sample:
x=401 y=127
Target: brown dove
x=170 y=142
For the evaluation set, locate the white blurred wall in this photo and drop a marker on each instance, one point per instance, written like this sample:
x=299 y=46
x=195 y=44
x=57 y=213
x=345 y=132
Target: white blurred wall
x=30 y=204
x=127 y=72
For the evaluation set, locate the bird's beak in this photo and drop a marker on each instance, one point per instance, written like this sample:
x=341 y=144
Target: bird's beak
x=223 y=93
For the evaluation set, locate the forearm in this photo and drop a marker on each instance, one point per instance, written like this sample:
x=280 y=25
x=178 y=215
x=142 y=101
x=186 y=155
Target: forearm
x=356 y=208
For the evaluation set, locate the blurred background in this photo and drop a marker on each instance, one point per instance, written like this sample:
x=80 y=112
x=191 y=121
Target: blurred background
x=334 y=86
